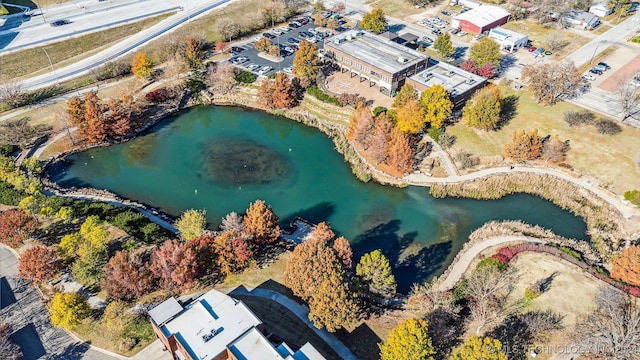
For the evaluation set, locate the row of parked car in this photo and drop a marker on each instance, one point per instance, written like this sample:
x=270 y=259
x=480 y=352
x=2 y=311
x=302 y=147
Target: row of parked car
x=598 y=69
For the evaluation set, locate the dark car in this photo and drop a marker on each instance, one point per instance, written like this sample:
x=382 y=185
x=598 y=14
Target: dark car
x=604 y=65
x=236 y=49
x=595 y=71
x=293 y=40
x=294 y=24
x=60 y=23
x=305 y=34
x=269 y=36
x=445 y=13
x=436 y=32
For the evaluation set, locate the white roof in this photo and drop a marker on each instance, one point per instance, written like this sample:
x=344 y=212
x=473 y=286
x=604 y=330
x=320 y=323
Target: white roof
x=165 y=311
x=308 y=352
x=227 y=317
x=253 y=345
x=483 y=15
x=504 y=34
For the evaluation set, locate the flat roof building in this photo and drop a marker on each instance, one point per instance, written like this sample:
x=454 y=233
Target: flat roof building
x=461 y=84
x=216 y=326
x=508 y=40
x=481 y=19
x=382 y=62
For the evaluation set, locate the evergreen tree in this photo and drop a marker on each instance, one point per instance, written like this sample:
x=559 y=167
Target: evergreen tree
x=261 y=223
x=306 y=62
x=374 y=271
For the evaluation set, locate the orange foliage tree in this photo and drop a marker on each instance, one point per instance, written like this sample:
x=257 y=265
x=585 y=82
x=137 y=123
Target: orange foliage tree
x=38 y=263
x=15 y=226
x=283 y=92
x=523 y=146
x=233 y=252
x=401 y=154
x=261 y=224
x=624 y=266
x=141 y=66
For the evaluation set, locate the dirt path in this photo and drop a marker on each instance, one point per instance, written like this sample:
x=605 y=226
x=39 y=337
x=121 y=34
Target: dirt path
x=459 y=267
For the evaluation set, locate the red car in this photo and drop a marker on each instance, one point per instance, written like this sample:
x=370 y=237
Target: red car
x=532 y=48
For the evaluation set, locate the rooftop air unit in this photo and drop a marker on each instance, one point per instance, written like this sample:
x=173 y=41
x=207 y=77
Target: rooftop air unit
x=402 y=60
x=427 y=76
x=208 y=336
x=450 y=73
x=470 y=81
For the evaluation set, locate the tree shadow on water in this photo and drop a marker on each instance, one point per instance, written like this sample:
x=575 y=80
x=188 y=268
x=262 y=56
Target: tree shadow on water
x=416 y=268
x=316 y=214
x=384 y=237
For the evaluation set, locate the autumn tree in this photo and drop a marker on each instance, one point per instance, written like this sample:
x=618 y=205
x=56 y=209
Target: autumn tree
x=141 y=65
x=193 y=53
x=191 y=224
x=321 y=232
x=344 y=253
x=283 y=91
x=261 y=223
x=314 y=273
x=204 y=248
x=476 y=348
x=263 y=44
x=487 y=70
x=172 y=263
x=75 y=110
x=624 y=265
x=374 y=21
x=175 y=67
x=361 y=125
x=380 y=139
x=410 y=117
x=400 y=153
x=96 y=129
x=437 y=105
x=15 y=227
x=374 y=273
x=38 y=263
x=470 y=66
x=232 y=221
x=306 y=62
x=523 y=146
x=443 y=45
x=406 y=94
x=68 y=310
x=127 y=276
x=116 y=317
x=408 y=341
x=265 y=93
x=88 y=268
x=553 y=81
x=233 y=252
x=554 y=150
x=486 y=50
x=482 y=111
x=317 y=13
x=8 y=349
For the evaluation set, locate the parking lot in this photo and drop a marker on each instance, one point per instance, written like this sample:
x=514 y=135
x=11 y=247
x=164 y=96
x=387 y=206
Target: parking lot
x=251 y=60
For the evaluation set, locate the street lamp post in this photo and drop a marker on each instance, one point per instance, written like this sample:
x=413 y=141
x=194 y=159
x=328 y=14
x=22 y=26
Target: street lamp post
x=596 y=50
x=51 y=64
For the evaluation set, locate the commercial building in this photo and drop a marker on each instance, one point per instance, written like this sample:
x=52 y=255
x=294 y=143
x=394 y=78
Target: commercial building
x=481 y=19
x=461 y=84
x=216 y=326
x=508 y=40
x=382 y=62
x=600 y=8
x=581 y=19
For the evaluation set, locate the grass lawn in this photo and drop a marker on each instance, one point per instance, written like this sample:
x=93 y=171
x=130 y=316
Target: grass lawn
x=394 y=8
x=611 y=158
x=91 y=330
x=254 y=277
x=31 y=61
x=538 y=34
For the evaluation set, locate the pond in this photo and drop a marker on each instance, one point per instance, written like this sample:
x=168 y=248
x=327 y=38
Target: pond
x=222 y=158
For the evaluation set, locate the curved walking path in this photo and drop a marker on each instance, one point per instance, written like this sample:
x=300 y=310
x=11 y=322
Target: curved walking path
x=627 y=211
x=302 y=313
x=460 y=266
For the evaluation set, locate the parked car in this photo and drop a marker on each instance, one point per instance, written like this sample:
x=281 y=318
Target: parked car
x=269 y=35
x=253 y=67
x=531 y=48
x=635 y=81
x=60 y=22
x=305 y=35
x=313 y=31
x=462 y=33
x=595 y=70
x=264 y=70
x=341 y=22
x=445 y=13
x=285 y=29
x=303 y=21
x=294 y=24
x=293 y=40
x=454 y=31
x=478 y=37
x=436 y=32
x=288 y=70
x=236 y=49
x=604 y=65
x=538 y=52
x=587 y=76
x=428 y=39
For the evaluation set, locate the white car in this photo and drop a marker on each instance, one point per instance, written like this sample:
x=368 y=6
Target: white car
x=462 y=33
x=265 y=69
x=588 y=76
x=277 y=32
x=253 y=67
x=284 y=29
x=635 y=81
x=313 y=31
x=288 y=69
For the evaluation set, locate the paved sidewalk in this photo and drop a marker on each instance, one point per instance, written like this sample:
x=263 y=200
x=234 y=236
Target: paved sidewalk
x=301 y=312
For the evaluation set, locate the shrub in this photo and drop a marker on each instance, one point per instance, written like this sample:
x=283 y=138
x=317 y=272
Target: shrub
x=493 y=262
x=446 y=140
x=571 y=252
x=582 y=117
x=114 y=69
x=378 y=110
x=195 y=85
x=7 y=149
x=158 y=95
x=350 y=99
x=245 y=77
x=529 y=294
x=322 y=96
x=607 y=127
x=9 y=195
x=435 y=133
x=633 y=196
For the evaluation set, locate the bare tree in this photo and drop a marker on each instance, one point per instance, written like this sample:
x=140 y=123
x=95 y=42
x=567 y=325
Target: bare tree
x=20 y=132
x=554 y=150
x=175 y=67
x=11 y=92
x=555 y=40
x=489 y=289
x=8 y=349
x=550 y=83
x=627 y=99
x=221 y=78
x=612 y=330
x=232 y=221
x=228 y=28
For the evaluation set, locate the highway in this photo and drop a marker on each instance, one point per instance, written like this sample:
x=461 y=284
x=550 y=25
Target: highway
x=125 y=46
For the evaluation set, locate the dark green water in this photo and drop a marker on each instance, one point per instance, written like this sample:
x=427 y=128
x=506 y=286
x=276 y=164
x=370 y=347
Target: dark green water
x=221 y=159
